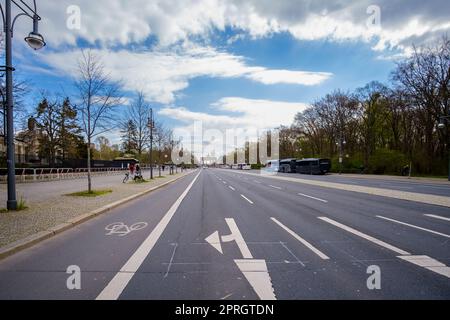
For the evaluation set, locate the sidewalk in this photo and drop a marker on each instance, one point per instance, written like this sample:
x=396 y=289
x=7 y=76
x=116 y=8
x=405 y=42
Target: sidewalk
x=49 y=206
x=390 y=177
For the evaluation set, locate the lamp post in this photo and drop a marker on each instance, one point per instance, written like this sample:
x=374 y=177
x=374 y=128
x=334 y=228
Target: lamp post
x=151 y=124
x=36 y=41
x=443 y=124
x=341 y=144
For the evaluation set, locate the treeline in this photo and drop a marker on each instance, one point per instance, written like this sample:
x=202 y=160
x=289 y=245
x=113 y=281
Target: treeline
x=62 y=130
x=381 y=128
x=59 y=130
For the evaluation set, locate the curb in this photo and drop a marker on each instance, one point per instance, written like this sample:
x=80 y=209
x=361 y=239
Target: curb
x=33 y=239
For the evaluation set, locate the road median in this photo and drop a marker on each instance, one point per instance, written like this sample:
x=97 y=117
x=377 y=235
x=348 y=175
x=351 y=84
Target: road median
x=389 y=193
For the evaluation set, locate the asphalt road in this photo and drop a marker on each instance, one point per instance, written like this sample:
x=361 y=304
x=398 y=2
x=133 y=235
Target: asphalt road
x=441 y=188
x=220 y=234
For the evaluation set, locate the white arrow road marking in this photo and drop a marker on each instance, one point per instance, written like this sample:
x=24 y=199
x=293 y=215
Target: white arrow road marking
x=256 y=273
x=116 y=286
x=214 y=240
x=254 y=270
x=415 y=227
x=237 y=237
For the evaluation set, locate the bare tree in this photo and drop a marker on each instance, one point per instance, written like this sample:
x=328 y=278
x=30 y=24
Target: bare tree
x=162 y=141
x=99 y=96
x=138 y=113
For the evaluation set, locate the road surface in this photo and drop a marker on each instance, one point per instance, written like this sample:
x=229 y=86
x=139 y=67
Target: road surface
x=220 y=234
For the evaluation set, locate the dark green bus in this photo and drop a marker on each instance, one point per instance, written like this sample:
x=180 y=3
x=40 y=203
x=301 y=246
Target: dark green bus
x=313 y=166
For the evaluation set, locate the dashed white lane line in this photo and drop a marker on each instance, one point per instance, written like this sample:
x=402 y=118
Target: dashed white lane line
x=428 y=263
x=415 y=227
x=232 y=188
x=437 y=217
x=116 y=286
x=275 y=187
x=224 y=182
x=311 y=197
x=256 y=181
x=365 y=236
x=303 y=241
x=419 y=260
x=250 y=201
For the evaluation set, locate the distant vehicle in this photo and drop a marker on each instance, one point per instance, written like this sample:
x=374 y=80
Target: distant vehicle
x=288 y=165
x=235 y=167
x=244 y=166
x=273 y=165
x=313 y=166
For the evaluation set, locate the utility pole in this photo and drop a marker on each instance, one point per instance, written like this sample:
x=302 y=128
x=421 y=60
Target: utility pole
x=36 y=41
x=151 y=124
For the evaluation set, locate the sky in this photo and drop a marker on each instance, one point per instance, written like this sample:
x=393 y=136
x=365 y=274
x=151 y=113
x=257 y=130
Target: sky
x=227 y=63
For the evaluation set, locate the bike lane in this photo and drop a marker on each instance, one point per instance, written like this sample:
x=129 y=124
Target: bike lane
x=99 y=247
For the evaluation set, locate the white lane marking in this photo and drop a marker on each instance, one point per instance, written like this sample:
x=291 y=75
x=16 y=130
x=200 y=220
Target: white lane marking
x=437 y=217
x=250 y=201
x=275 y=187
x=232 y=188
x=254 y=270
x=257 y=181
x=311 y=197
x=256 y=273
x=237 y=237
x=116 y=286
x=303 y=241
x=171 y=260
x=292 y=254
x=224 y=182
x=428 y=263
x=414 y=226
x=365 y=236
x=214 y=240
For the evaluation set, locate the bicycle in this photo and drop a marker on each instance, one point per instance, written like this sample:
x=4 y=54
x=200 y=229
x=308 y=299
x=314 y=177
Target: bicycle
x=127 y=176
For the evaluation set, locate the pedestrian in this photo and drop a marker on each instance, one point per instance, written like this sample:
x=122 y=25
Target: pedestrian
x=131 y=167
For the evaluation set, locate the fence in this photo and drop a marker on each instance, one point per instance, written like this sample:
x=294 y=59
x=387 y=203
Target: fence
x=49 y=174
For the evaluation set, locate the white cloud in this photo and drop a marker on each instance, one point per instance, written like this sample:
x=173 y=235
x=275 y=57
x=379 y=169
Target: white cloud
x=289 y=77
x=240 y=113
x=162 y=74
x=245 y=117
x=112 y=22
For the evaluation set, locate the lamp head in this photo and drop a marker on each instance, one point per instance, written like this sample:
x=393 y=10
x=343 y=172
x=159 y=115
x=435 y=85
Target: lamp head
x=35 y=40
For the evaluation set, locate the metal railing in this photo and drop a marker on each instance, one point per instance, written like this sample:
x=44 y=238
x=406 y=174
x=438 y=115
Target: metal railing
x=49 y=174
x=53 y=174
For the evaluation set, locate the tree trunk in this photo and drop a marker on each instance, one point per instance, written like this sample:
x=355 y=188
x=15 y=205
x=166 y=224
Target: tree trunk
x=89 y=165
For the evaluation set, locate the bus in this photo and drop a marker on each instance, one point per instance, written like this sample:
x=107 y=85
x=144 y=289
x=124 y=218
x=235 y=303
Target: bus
x=288 y=165
x=313 y=166
x=273 y=165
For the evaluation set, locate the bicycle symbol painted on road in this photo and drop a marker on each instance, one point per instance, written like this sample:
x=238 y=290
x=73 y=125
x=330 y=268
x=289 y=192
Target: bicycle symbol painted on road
x=121 y=229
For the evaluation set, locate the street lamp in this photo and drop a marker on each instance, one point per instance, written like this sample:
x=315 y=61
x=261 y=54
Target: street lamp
x=341 y=144
x=151 y=125
x=36 y=41
x=443 y=123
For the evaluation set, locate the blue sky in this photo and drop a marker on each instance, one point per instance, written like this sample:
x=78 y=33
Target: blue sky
x=227 y=63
